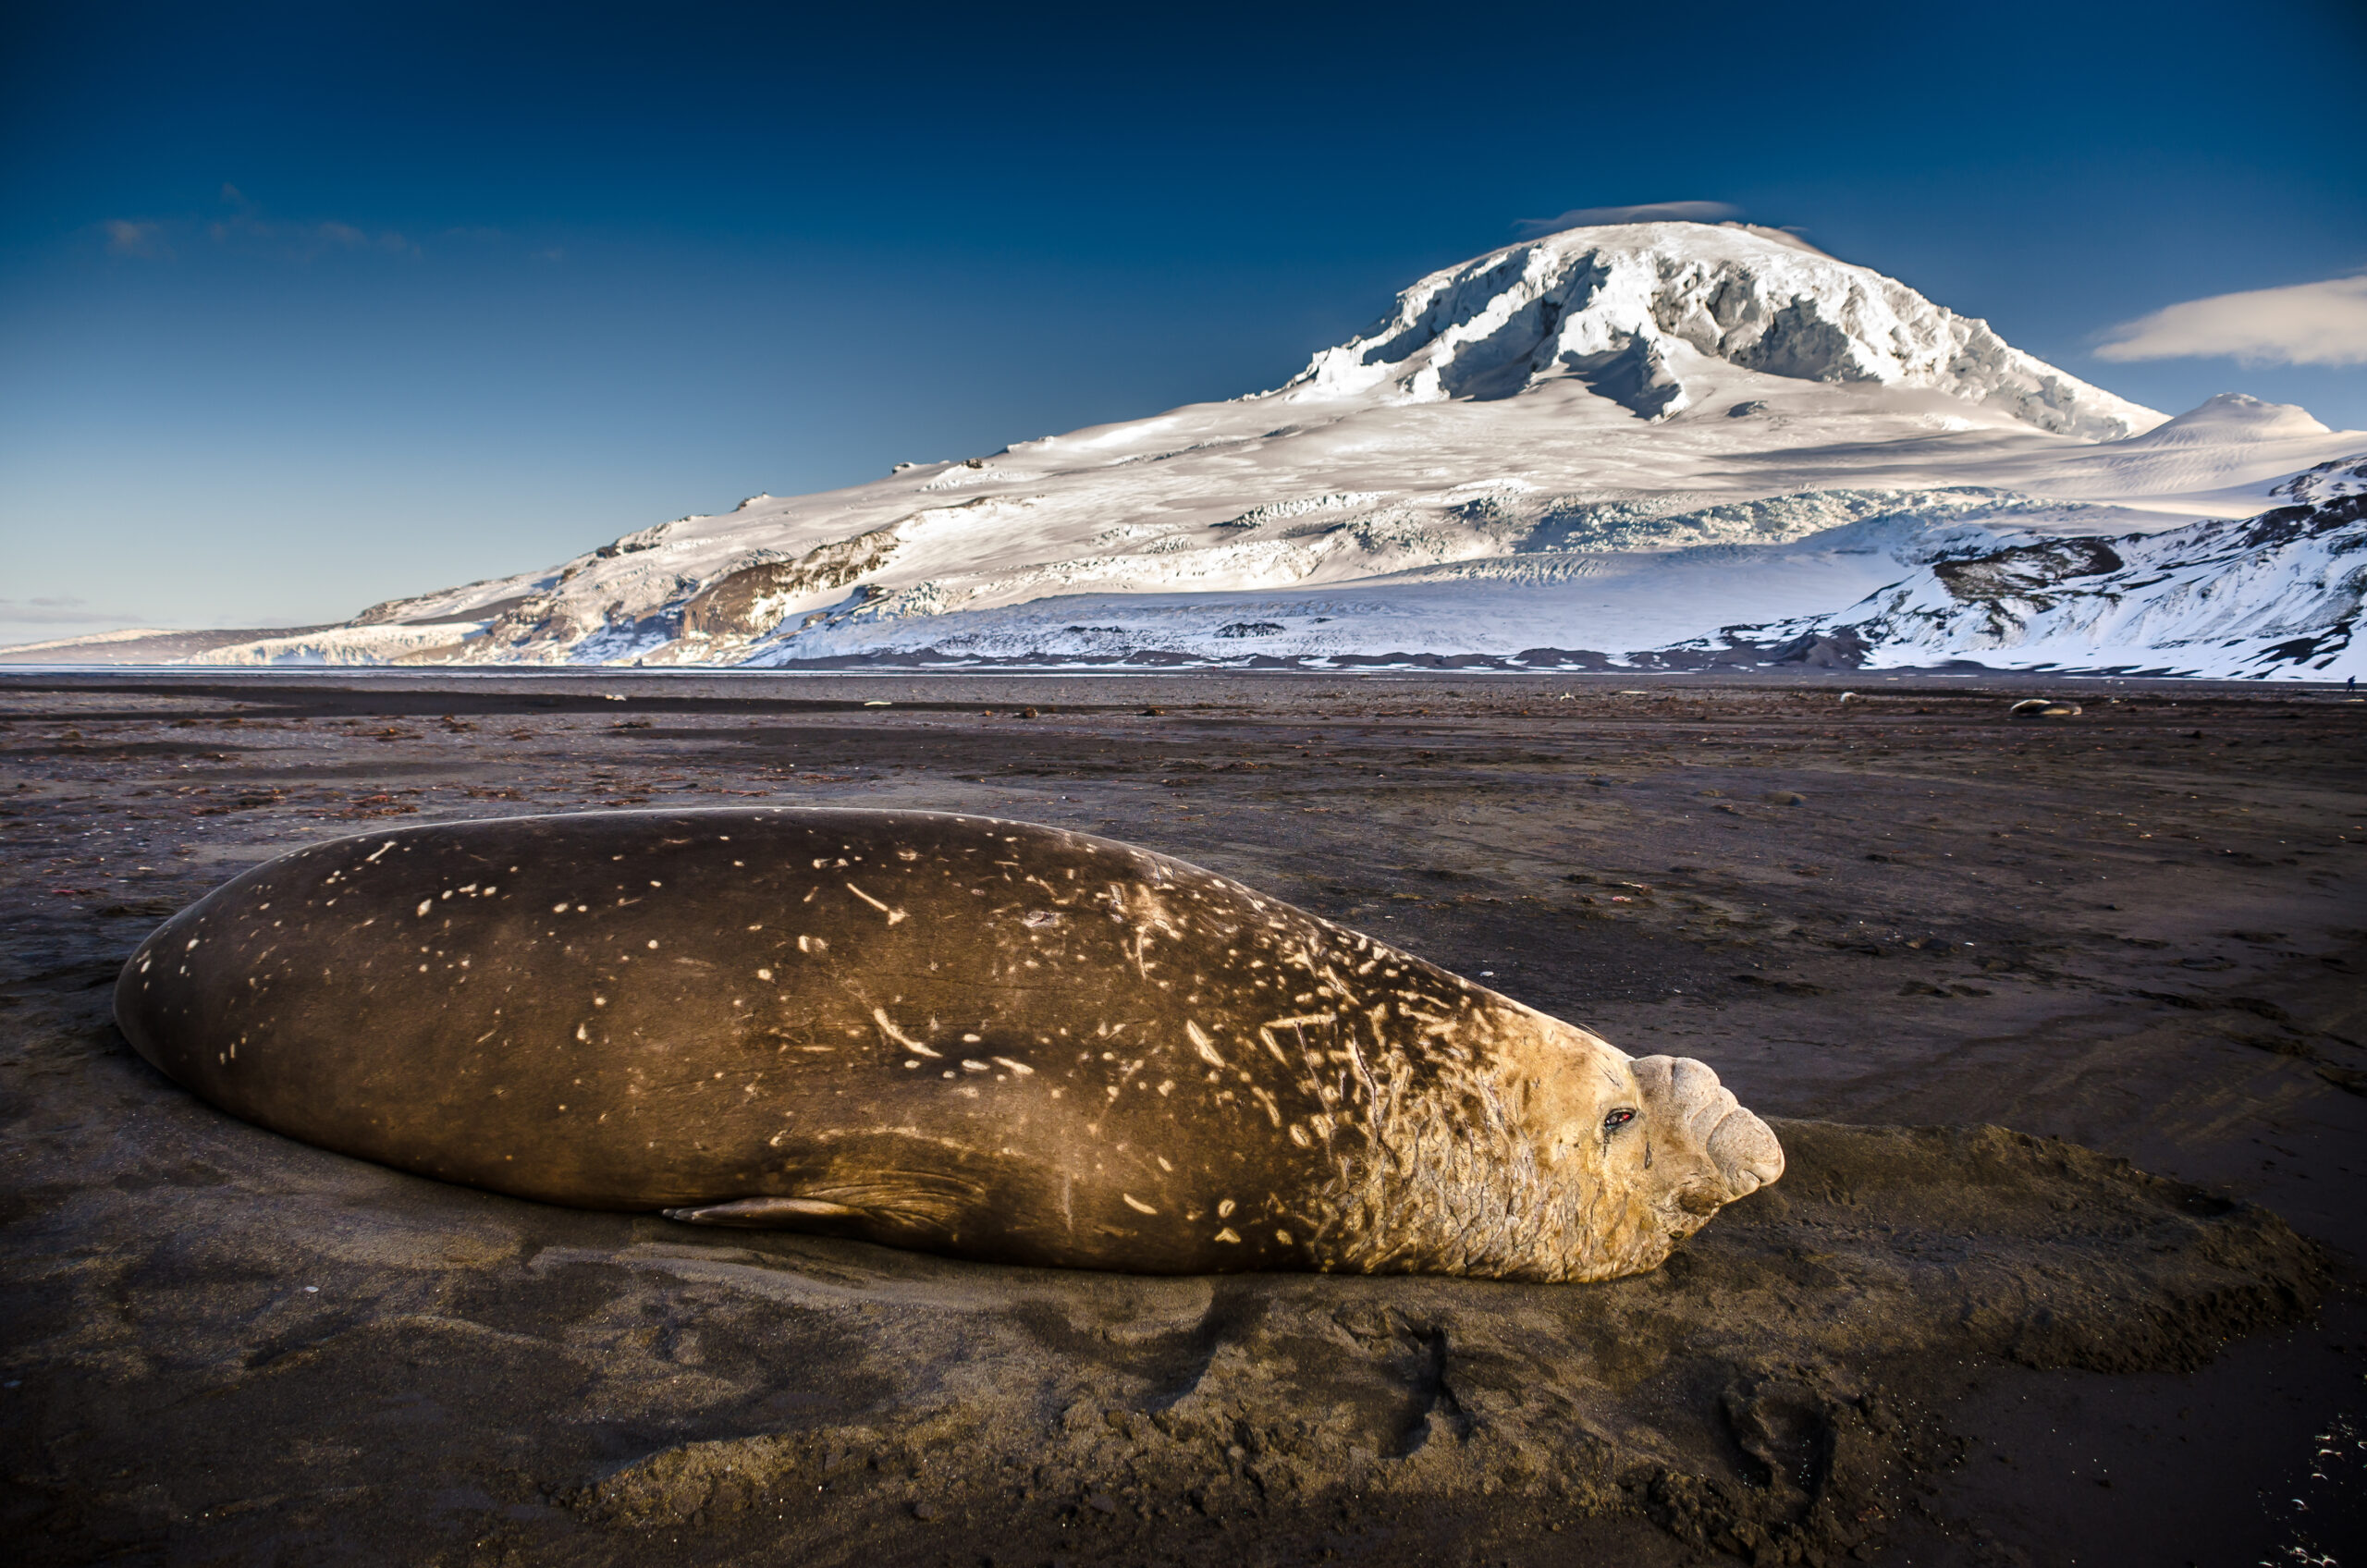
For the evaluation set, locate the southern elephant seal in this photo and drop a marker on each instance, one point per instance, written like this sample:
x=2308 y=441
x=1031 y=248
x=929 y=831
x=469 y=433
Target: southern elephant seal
x=970 y=1036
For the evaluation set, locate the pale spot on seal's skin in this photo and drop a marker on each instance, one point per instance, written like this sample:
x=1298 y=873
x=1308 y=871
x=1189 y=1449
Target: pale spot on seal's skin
x=1227 y=1235
x=1137 y=1203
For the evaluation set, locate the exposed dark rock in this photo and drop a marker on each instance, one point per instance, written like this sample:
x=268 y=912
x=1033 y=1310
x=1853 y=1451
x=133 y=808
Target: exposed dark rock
x=750 y=602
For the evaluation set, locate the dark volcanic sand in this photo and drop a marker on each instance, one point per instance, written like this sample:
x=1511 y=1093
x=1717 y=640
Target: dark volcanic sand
x=2139 y=932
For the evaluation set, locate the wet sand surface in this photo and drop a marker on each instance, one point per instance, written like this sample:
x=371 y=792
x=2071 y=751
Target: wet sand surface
x=2063 y=1020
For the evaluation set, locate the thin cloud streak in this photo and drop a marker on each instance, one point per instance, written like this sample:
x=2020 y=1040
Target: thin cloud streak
x=45 y=611
x=304 y=241
x=2303 y=323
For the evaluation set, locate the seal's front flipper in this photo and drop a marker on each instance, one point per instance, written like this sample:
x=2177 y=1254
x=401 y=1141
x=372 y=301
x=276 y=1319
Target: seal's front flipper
x=765 y=1214
x=895 y=1207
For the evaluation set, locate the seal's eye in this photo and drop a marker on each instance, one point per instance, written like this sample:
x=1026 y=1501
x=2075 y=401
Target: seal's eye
x=1617 y=1120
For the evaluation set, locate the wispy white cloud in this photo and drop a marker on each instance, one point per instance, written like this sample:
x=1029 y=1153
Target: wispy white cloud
x=245 y=230
x=2303 y=323
x=128 y=237
x=303 y=241
x=1648 y=212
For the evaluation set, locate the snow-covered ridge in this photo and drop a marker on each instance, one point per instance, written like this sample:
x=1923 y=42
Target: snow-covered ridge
x=2230 y=417
x=2275 y=594
x=1277 y=511
x=1926 y=578
x=2343 y=476
x=351 y=645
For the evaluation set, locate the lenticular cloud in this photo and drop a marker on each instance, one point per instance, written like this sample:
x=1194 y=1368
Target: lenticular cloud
x=1648 y=211
x=2305 y=324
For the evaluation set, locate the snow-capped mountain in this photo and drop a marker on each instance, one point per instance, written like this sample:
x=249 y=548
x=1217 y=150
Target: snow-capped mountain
x=1618 y=310
x=1672 y=441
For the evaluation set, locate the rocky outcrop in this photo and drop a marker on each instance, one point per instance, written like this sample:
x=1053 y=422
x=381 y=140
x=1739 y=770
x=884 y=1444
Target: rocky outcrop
x=751 y=602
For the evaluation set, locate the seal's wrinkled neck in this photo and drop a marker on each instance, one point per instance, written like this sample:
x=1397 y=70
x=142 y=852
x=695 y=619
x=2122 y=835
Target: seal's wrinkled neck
x=1499 y=1169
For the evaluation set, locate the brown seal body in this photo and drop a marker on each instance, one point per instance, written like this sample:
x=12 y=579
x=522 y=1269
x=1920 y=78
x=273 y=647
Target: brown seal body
x=971 y=1036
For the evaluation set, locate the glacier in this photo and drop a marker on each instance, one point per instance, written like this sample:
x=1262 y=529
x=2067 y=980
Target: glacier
x=1647 y=444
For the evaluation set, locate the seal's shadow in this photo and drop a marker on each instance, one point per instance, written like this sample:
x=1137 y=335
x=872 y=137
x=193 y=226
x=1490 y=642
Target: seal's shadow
x=1770 y=1384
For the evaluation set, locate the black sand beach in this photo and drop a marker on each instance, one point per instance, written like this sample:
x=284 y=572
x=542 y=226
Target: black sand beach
x=2061 y=1021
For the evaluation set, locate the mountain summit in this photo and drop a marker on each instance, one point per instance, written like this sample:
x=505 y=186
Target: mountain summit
x=1628 y=311
x=1651 y=443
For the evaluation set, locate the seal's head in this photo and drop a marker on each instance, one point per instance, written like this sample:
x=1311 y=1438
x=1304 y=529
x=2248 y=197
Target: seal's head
x=1631 y=1156
x=1662 y=1124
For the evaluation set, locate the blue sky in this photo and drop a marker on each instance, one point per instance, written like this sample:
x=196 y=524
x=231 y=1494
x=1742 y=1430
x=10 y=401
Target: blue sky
x=302 y=306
